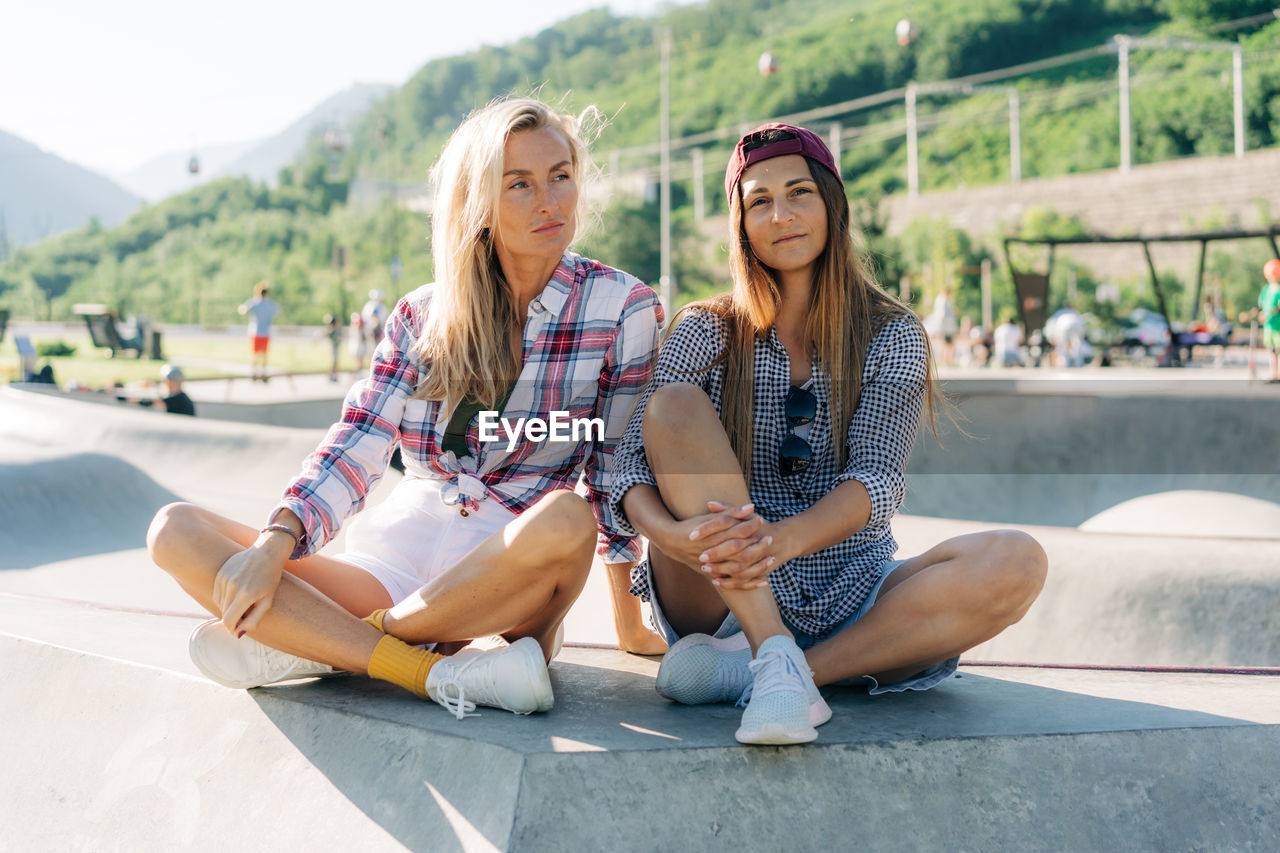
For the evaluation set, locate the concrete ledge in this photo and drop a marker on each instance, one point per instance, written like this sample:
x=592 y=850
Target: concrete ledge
x=151 y=758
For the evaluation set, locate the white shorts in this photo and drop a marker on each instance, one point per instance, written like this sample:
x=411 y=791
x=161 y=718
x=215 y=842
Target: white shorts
x=413 y=537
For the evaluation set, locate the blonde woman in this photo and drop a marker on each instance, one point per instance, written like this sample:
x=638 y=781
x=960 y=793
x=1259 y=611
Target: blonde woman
x=767 y=460
x=484 y=535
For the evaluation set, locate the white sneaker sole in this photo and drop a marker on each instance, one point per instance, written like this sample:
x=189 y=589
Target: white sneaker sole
x=774 y=734
x=540 y=680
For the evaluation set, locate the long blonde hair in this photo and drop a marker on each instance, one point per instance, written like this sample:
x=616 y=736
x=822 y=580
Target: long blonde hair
x=847 y=308
x=466 y=337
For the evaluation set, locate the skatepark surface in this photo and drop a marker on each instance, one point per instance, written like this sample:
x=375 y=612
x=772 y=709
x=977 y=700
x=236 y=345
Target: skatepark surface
x=1141 y=717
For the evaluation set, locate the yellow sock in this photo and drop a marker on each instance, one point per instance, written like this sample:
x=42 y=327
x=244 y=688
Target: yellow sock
x=400 y=663
x=375 y=618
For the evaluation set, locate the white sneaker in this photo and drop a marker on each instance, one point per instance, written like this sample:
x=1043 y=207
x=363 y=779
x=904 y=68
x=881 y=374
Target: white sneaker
x=512 y=678
x=244 y=662
x=700 y=669
x=785 y=705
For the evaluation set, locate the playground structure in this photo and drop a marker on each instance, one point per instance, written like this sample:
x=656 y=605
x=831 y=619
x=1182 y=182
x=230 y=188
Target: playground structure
x=1033 y=288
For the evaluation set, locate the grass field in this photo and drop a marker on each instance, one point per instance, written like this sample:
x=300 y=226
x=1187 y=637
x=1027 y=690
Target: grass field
x=209 y=355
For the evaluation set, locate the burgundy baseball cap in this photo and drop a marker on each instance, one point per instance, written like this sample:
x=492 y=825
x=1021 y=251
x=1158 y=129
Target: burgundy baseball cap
x=803 y=142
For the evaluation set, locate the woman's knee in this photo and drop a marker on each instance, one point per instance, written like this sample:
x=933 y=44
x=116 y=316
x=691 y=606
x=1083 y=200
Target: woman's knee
x=563 y=526
x=1018 y=566
x=675 y=410
x=170 y=532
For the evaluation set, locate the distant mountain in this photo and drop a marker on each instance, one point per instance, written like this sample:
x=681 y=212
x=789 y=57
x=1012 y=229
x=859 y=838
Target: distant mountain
x=167 y=174
x=264 y=160
x=41 y=194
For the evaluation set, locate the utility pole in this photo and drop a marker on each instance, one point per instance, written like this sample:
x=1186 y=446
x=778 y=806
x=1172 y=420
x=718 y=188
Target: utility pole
x=1237 y=91
x=665 y=284
x=1126 y=154
x=1015 y=137
x=913 y=144
x=699 y=188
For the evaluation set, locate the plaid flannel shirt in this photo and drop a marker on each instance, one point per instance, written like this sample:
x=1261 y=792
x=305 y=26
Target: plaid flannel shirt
x=590 y=339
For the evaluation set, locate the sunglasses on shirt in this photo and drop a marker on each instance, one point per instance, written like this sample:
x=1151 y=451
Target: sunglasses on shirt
x=799 y=408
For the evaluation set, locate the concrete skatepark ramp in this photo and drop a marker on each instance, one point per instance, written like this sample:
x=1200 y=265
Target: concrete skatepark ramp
x=1058 y=452
x=122 y=744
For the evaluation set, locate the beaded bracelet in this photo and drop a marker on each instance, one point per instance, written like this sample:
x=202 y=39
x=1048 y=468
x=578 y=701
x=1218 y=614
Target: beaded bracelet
x=297 y=540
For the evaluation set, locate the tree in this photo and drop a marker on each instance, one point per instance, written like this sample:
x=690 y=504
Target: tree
x=53 y=282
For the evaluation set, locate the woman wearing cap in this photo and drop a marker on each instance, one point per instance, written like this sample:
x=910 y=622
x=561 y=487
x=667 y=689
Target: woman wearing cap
x=767 y=458
x=483 y=536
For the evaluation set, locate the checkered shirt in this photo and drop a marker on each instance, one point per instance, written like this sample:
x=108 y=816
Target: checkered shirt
x=816 y=591
x=589 y=345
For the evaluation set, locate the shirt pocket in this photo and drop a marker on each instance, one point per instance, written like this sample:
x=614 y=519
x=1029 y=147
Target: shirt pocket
x=583 y=388
x=416 y=425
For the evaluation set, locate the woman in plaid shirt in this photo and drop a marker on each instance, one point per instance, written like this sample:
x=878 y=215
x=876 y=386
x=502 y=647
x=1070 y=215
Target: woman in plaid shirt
x=485 y=534
x=766 y=460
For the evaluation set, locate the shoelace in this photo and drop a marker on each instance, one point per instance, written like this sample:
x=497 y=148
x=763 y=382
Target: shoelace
x=459 y=705
x=776 y=679
x=278 y=664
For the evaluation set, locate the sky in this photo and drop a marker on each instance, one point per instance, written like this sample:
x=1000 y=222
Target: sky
x=111 y=85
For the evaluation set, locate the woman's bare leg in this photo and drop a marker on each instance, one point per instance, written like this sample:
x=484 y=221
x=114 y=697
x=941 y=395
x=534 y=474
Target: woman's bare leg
x=959 y=593
x=520 y=582
x=628 y=619
x=693 y=462
x=317 y=607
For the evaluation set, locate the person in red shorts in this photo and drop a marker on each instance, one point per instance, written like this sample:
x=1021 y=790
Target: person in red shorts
x=260 y=311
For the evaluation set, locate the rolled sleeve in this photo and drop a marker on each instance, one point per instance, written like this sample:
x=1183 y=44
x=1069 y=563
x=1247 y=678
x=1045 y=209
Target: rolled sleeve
x=625 y=375
x=338 y=475
x=883 y=428
x=694 y=343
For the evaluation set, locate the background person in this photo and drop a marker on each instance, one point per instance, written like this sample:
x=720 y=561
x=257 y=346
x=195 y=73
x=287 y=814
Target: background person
x=942 y=327
x=358 y=341
x=475 y=540
x=261 y=311
x=767 y=459
x=333 y=331
x=176 y=401
x=374 y=316
x=1006 y=340
x=1269 y=315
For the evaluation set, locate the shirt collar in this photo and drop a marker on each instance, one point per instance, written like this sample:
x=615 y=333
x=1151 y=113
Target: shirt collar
x=775 y=342
x=554 y=296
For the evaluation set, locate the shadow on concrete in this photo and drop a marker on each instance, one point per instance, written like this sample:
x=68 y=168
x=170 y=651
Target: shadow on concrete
x=613 y=757
x=74 y=506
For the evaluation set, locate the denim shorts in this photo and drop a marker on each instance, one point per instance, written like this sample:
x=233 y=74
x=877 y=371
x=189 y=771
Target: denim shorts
x=922 y=680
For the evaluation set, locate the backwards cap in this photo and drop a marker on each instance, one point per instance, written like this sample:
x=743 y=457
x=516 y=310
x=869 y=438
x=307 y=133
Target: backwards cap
x=803 y=142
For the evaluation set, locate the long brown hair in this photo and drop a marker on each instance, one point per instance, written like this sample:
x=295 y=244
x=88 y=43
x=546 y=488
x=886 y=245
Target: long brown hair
x=847 y=309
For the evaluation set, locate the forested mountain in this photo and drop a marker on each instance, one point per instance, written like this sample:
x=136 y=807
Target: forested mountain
x=259 y=159
x=193 y=257
x=41 y=194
